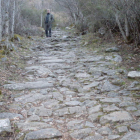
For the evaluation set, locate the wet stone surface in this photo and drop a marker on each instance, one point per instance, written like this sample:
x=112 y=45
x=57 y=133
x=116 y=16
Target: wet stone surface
x=73 y=94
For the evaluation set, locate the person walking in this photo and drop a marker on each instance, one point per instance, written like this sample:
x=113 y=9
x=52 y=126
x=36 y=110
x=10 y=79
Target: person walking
x=48 y=23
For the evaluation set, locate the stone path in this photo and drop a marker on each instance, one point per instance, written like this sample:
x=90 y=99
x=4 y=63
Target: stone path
x=71 y=93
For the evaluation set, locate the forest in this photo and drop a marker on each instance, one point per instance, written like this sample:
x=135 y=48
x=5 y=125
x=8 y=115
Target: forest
x=119 y=16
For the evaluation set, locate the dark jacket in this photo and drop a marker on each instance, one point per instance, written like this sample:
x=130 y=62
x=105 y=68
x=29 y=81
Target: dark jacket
x=49 y=19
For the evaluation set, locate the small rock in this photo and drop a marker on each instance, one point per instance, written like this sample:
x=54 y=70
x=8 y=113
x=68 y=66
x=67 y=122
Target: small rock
x=111 y=108
x=131 y=108
x=113 y=137
x=95 y=109
x=11 y=116
x=118 y=116
x=82 y=133
x=95 y=137
x=110 y=100
x=136 y=126
x=94 y=117
x=5 y=125
x=131 y=136
x=134 y=74
x=104 y=131
x=112 y=49
x=49 y=133
x=122 y=129
x=137 y=113
x=73 y=103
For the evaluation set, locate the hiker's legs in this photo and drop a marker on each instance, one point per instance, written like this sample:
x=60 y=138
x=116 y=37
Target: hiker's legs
x=50 y=31
x=46 y=31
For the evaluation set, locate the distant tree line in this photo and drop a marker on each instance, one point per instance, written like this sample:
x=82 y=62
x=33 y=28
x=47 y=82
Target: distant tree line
x=113 y=15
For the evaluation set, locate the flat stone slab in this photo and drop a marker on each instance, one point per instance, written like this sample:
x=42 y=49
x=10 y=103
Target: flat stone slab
x=95 y=109
x=5 y=125
x=92 y=85
x=73 y=103
x=75 y=124
x=82 y=133
x=136 y=126
x=49 y=133
x=118 y=116
x=111 y=108
x=28 y=85
x=95 y=137
x=53 y=61
x=32 y=126
x=107 y=86
x=112 y=49
x=82 y=75
x=134 y=74
x=131 y=136
x=110 y=100
x=94 y=117
x=11 y=116
x=40 y=70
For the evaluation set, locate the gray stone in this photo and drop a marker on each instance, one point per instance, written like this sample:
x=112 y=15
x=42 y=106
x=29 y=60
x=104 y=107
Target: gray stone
x=131 y=108
x=53 y=61
x=32 y=97
x=77 y=110
x=73 y=103
x=92 y=85
x=122 y=129
x=134 y=74
x=104 y=131
x=5 y=125
x=51 y=104
x=112 y=49
x=126 y=103
x=26 y=126
x=137 y=113
x=82 y=133
x=82 y=75
x=28 y=85
x=118 y=116
x=113 y=137
x=75 y=124
x=110 y=100
x=112 y=94
x=11 y=116
x=131 y=136
x=33 y=118
x=57 y=96
x=89 y=103
x=95 y=109
x=43 y=112
x=89 y=124
x=1 y=103
x=49 y=133
x=95 y=137
x=110 y=108
x=136 y=126
x=107 y=86
x=117 y=58
x=94 y=117
x=61 y=112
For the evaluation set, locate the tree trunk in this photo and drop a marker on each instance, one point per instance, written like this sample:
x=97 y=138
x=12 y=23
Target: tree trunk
x=127 y=28
x=0 y=20
x=41 y=23
x=13 y=19
x=7 y=29
x=120 y=27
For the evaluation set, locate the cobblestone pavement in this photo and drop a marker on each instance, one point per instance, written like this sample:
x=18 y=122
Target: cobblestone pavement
x=71 y=93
